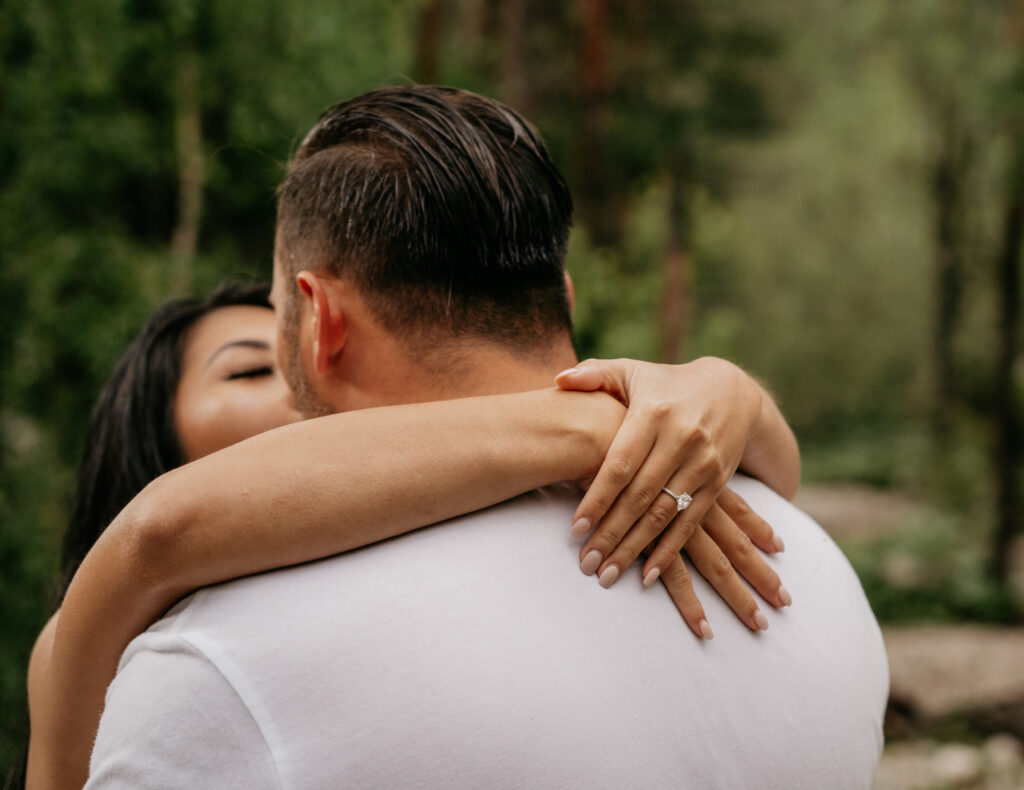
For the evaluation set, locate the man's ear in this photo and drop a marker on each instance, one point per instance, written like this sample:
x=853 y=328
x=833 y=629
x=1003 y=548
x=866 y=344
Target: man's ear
x=327 y=320
x=571 y=292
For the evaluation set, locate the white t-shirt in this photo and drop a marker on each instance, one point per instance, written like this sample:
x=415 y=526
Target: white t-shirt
x=475 y=654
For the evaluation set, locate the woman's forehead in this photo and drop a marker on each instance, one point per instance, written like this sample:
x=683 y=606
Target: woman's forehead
x=228 y=325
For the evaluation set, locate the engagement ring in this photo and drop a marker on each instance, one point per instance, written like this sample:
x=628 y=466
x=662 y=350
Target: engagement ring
x=683 y=500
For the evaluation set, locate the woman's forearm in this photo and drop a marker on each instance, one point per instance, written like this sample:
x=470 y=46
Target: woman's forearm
x=772 y=454
x=326 y=486
x=292 y=495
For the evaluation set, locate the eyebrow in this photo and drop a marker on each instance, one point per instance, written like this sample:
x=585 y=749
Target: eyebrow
x=258 y=344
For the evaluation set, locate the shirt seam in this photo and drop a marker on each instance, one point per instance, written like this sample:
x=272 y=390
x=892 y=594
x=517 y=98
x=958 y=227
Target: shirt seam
x=204 y=654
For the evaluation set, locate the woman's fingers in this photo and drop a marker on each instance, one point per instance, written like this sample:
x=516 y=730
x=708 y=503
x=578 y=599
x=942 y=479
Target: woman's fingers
x=645 y=512
x=662 y=525
x=628 y=453
x=595 y=374
x=743 y=556
x=677 y=581
x=714 y=566
x=759 y=530
x=628 y=494
x=679 y=532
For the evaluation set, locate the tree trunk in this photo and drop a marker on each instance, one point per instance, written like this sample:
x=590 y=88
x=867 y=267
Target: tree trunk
x=472 y=30
x=514 y=80
x=426 y=61
x=677 y=295
x=1005 y=417
x=948 y=201
x=189 y=142
x=594 y=87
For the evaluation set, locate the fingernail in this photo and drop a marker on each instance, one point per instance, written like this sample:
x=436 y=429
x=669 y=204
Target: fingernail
x=580 y=527
x=705 y=629
x=652 y=576
x=608 y=576
x=778 y=544
x=590 y=562
x=784 y=596
x=760 y=620
x=566 y=372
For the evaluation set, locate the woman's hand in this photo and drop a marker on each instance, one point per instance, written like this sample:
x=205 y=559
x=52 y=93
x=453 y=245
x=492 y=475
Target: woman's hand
x=719 y=548
x=688 y=428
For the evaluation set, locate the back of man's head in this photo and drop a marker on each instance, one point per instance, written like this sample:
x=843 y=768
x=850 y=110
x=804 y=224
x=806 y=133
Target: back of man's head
x=442 y=207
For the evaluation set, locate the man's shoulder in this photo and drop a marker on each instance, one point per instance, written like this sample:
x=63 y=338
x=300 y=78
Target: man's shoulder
x=484 y=626
x=171 y=714
x=526 y=537
x=461 y=550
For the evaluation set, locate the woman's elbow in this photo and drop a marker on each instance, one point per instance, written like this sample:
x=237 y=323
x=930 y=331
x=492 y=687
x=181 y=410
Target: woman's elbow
x=153 y=534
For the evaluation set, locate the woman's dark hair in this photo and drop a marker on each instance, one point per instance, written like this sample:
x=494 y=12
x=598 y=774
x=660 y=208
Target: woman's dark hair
x=131 y=438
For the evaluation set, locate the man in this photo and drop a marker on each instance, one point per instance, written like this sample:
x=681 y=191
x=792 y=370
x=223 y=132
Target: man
x=419 y=256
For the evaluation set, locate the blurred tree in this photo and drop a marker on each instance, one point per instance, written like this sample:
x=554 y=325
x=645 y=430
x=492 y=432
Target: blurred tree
x=812 y=252
x=188 y=137
x=598 y=200
x=515 y=80
x=425 y=63
x=940 y=48
x=1006 y=401
x=964 y=60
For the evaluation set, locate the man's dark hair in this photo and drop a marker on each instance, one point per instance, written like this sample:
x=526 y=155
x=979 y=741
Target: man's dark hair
x=442 y=207
x=131 y=439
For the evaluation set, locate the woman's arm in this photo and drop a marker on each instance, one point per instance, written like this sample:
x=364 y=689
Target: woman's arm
x=378 y=472
x=772 y=454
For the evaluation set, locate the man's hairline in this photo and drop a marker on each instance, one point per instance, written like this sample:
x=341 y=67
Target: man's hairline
x=427 y=346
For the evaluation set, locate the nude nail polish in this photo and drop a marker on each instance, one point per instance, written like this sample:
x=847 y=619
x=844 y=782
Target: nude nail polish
x=566 y=372
x=590 y=562
x=778 y=544
x=580 y=527
x=705 y=629
x=760 y=620
x=608 y=576
x=784 y=596
x=652 y=576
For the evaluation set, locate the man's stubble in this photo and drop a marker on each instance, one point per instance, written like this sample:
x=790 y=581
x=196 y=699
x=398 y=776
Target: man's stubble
x=290 y=359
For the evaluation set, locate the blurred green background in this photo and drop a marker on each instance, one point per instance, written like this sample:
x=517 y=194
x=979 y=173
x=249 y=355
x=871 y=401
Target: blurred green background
x=829 y=193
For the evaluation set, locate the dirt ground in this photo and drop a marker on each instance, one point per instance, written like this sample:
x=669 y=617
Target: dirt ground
x=956 y=716
x=964 y=679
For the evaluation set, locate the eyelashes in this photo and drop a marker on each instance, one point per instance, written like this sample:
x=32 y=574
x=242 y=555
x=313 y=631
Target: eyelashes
x=251 y=373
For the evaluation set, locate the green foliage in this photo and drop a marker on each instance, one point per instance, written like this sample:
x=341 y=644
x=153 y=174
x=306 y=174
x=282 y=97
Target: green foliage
x=32 y=495
x=932 y=569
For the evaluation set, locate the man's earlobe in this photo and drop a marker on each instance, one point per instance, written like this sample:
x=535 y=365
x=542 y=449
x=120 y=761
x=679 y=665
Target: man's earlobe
x=327 y=324
x=570 y=292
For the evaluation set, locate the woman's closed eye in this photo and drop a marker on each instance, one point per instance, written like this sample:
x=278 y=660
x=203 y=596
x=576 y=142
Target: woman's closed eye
x=251 y=372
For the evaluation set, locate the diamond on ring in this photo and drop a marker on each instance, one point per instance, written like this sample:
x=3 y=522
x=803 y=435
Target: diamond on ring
x=683 y=500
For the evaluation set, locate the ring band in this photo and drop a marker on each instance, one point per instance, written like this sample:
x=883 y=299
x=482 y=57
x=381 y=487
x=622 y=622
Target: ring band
x=683 y=500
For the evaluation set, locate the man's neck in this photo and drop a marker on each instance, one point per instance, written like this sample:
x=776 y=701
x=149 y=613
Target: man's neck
x=492 y=370
x=394 y=375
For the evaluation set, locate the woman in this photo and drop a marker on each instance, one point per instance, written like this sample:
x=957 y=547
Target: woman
x=202 y=376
